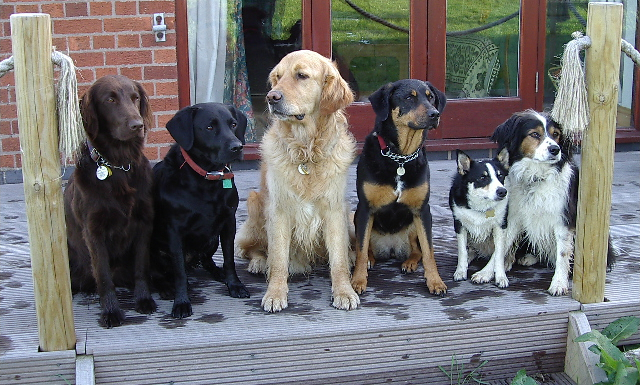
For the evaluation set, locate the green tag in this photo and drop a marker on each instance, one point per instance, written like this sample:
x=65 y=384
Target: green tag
x=227 y=183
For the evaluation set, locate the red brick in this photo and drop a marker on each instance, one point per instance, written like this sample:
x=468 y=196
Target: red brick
x=162 y=56
x=60 y=44
x=157 y=6
x=100 y=8
x=7 y=79
x=79 y=43
x=129 y=41
x=160 y=72
x=103 y=71
x=104 y=41
x=5 y=127
x=126 y=8
x=11 y=144
x=128 y=57
x=163 y=119
x=164 y=150
x=151 y=153
x=74 y=26
x=134 y=73
x=76 y=9
x=149 y=40
x=127 y=24
x=85 y=75
x=27 y=8
x=8 y=111
x=88 y=59
x=6 y=10
x=164 y=104
x=166 y=88
x=54 y=10
x=7 y=161
x=18 y=158
x=160 y=136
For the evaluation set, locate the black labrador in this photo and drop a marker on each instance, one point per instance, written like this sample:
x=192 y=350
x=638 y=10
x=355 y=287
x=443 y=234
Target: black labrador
x=196 y=200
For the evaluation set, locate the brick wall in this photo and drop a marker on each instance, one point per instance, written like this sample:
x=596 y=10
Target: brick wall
x=102 y=37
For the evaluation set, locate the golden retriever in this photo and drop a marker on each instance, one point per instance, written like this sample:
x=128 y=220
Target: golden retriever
x=300 y=215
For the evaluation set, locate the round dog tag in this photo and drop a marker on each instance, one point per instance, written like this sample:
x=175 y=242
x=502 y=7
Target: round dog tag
x=103 y=172
x=303 y=169
x=400 y=171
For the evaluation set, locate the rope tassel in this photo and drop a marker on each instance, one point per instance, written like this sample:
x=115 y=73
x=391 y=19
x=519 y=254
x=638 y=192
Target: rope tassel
x=571 y=108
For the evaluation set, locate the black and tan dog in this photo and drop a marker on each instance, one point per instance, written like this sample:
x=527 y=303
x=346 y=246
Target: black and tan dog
x=393 y=217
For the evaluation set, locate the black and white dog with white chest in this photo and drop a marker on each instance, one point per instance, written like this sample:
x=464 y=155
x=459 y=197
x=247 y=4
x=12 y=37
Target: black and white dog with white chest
x=543 y=194
x=478 y=202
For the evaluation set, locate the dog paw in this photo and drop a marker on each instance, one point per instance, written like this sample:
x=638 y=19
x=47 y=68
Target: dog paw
x=238 y=290
x=112 y=318
x=460 y=275
x=557 y=288
x=275 y=300
x=181 y=309
x=502 y=281
x=482 y=277
x=437 y=287
x=347 y=300
x=528 y=260
x=146 y=305
x=359 y=285
x=257 y=265
x=410 y=266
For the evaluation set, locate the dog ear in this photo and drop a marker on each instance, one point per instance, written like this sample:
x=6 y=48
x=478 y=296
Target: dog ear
x=336 y=93
x=464 y=162
x=380 y=102
x=145 y=107
x=506 y=135
x=89 y=115
x=441 y=98
x=241 y=120
x=503 y=158
x=181 y=127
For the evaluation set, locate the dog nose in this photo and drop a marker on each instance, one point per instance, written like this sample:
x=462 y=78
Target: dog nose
x=274 y=97
x=501 y=192
x=554 y=150
x=434 y=114
x=236 y=148
x=135 y=125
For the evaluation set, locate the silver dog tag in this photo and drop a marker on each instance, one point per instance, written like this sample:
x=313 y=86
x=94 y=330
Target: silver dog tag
x=303 y=169
x=103 y=172
x=400 y=171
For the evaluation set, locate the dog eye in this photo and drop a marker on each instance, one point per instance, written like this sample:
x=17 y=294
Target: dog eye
x=209 y=127
x=234 y=125
x=302 y=76
x=534 y=135
x=111 y=99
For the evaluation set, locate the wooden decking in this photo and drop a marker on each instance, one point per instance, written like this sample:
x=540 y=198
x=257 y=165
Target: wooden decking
x=400 y=333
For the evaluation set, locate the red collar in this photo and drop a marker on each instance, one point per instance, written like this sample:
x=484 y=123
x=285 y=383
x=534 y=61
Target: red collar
x=383 y=144
x=208 y=175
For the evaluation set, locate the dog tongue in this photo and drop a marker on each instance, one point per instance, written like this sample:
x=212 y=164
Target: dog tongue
x=299 y=117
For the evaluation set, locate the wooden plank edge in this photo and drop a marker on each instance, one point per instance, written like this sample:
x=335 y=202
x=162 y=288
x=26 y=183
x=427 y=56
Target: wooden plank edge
x=580 y=362
x=85 y=371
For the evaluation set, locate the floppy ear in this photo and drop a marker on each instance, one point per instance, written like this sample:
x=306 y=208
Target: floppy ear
x=503 y=158
x=441 y=99
x=464 y=162
x=336 y=93
x=241 y=120
x=89 y=115
x=181 y=127
x=145 y=107
x=380 y=102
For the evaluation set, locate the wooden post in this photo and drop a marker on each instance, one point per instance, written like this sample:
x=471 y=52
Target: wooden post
x=37 y=119
x=604 y=27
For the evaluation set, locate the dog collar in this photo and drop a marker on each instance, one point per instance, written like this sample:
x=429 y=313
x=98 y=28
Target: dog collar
x=104 y=167
x=400 y=159
x=225 y=174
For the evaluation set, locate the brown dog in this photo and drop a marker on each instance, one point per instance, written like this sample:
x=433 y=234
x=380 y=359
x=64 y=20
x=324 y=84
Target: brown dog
x=108 y=202
x=300 y=215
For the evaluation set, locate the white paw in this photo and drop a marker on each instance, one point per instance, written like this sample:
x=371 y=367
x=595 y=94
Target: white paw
x=275 y=300
x=558 y=288
x=502 y=281
x=460 y=274
x=346 y=300
x=528 y=260
x=257 y=265
x=482 y=277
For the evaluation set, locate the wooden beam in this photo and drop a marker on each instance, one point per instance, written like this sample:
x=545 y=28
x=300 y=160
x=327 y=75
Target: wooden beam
x=580 y=362
x=604 y=27
x=35 y=97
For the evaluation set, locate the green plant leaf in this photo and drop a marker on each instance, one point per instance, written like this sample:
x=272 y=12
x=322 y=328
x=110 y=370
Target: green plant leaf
x=625 y=376
x=604 y=344
x=621 y=328
x=521 y=378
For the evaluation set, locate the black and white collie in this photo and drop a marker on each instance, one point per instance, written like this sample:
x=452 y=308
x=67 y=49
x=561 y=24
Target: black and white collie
x=543 y=193
x=478 y=202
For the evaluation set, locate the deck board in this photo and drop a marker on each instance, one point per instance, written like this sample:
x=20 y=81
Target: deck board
x=400 y=333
